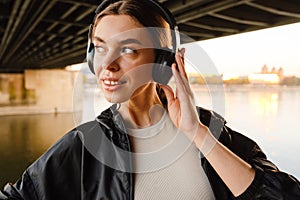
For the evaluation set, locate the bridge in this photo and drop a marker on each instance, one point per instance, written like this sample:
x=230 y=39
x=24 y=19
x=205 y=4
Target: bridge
x=37 y=34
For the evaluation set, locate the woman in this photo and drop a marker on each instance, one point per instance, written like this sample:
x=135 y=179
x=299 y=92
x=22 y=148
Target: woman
x=146 y=146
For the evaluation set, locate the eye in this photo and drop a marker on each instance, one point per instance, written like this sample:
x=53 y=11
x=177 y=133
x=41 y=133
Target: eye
x=99 y=49
x=127 y=50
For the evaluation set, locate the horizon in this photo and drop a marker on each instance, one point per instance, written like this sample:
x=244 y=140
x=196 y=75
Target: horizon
x=246 y=53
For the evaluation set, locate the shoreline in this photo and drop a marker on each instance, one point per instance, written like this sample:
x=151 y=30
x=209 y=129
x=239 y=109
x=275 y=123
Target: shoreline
x=6 y=110
x=244 y=87
x=29 y=110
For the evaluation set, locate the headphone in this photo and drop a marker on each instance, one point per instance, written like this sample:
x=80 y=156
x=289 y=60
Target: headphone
x=164 y=57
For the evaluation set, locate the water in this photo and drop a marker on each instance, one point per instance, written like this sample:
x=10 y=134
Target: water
x=269 y=115
x=24 y=138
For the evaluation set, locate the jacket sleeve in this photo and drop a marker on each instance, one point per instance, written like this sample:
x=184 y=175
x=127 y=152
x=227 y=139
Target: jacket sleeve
x=51 y=175
x=269 y=182
x=23 y=189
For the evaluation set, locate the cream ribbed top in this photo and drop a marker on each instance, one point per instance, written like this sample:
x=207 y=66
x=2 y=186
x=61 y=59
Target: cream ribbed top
x=167 y=164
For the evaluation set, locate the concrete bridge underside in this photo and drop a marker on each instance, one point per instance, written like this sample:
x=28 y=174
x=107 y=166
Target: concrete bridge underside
x=38 y=34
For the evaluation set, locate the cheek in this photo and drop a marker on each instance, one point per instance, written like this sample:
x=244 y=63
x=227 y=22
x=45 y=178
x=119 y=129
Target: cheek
x=140 y=73
x=137 y=77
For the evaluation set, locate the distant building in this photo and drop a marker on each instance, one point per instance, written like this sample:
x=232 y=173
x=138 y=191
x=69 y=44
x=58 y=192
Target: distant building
x=264 y=69
x=267 y=77
x=229 y=76
x=258 y=78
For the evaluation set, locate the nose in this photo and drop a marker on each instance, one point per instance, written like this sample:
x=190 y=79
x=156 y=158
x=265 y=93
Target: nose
x=112 y=66
x=108 y=62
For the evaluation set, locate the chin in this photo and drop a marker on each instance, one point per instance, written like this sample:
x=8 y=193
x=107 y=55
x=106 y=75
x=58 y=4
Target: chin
x=116 y=99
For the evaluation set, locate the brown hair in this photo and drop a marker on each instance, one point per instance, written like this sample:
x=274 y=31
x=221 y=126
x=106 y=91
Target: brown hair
x=146 y=14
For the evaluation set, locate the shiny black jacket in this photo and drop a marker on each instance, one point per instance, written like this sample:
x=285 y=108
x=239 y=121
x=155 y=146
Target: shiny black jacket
x=93 y=162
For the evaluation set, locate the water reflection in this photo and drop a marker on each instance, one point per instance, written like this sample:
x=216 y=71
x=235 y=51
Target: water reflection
x=24 y=138
x=270 y=117
x=264 y=104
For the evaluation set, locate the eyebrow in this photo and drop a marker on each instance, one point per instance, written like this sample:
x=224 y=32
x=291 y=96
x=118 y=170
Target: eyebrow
x=130 y=41
x=123 y=42
x=96 y=38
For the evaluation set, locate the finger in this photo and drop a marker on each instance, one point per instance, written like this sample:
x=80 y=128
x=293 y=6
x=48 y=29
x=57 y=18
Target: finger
x=181 y=68
x=183 y=73
x=168 y=92
x=182 y=51
x=182 y=54
x=180 y=85
x=180 y=62
x=170 y=96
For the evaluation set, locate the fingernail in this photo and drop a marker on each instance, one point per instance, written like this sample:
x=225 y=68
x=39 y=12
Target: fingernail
x=182 y=50
x=179 y=52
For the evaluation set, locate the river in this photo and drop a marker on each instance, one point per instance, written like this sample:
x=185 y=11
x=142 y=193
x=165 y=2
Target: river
x=269 y=115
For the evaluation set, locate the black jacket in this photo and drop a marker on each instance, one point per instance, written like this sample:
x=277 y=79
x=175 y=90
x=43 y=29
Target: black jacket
x=93 y=162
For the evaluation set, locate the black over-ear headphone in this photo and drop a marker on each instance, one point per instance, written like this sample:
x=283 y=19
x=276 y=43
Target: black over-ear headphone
x=164 y=57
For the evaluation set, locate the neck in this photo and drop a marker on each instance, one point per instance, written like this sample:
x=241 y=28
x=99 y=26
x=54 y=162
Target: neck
x=143 y=109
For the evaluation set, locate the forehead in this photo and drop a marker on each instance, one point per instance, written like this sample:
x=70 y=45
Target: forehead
x=121 y=27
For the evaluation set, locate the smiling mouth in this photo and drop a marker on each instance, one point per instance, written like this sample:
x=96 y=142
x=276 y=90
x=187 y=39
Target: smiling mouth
x=112 y=85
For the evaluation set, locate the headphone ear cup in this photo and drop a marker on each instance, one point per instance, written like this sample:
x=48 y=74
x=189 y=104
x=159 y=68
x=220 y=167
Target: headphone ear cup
x=162 y=71
x=90 y=56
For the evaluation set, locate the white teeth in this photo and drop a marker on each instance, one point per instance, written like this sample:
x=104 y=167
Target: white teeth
x=108 y=82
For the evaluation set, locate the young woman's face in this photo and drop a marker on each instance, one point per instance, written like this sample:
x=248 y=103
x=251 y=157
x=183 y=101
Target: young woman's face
x=124 y=56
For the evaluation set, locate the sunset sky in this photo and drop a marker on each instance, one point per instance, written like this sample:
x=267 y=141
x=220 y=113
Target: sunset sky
x=246 y=53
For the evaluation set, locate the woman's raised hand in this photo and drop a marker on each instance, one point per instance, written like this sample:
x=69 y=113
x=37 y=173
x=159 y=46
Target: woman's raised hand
x=181 y=104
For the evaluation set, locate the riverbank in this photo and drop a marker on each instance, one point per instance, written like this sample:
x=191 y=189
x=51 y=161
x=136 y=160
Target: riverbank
x=29 y=109
x=35 y=109
x=243 y=87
